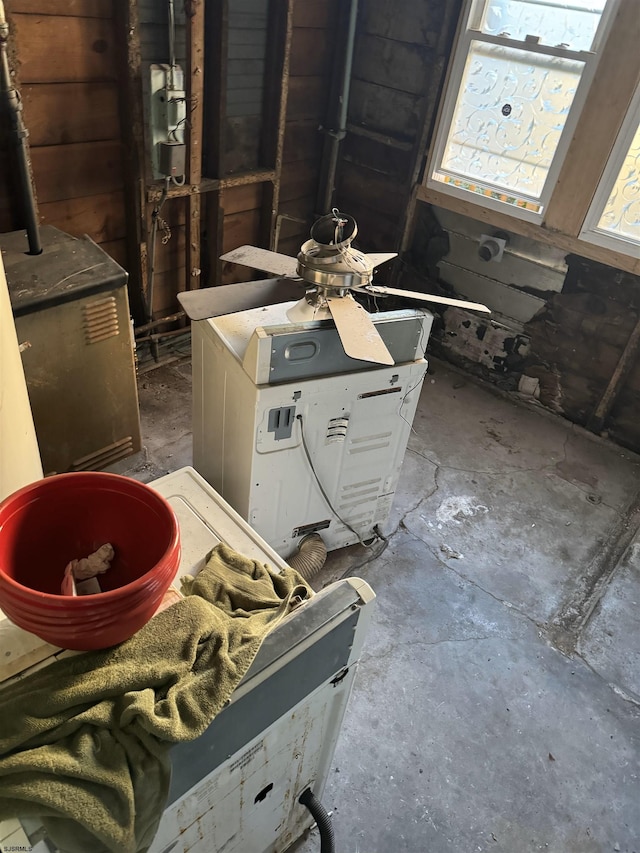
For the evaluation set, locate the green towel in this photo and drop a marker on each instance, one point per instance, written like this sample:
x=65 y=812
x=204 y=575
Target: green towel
x=85 y=742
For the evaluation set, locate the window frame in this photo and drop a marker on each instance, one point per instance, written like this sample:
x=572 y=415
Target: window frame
x=469 y=30
x=590 y=232
x=602 y=116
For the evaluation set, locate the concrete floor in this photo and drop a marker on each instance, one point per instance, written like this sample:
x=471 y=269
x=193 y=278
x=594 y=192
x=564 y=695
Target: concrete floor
x=497 y=706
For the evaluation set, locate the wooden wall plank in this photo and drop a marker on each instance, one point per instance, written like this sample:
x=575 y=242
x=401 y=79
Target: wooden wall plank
x=241 y=228
x=406 y=20
x=238 y=229
x=71 y=8
x=298 y=180
x=166 y=286
x=372 y=189
x=117 y=249
x=195 y=92
x=300 y=208
x=59 y=113
x=302 y=140
x=377 y=231
x=385 y=110
x=376 y=154
x=100 y=216
x=291 y=246
x=64 y=50
x=311 y=51
x=171 y=255
x=237 y=199
x=307 y=98
x=319 y=13
x=77 y=170
x=392 y=64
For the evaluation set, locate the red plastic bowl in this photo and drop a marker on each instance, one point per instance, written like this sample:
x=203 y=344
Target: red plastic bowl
x=45 y=525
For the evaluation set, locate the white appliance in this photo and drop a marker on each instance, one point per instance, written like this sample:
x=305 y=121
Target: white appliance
x=282 y=414
x=235 y=789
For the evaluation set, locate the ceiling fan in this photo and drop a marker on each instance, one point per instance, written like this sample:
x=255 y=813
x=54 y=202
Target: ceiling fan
x=330 y=270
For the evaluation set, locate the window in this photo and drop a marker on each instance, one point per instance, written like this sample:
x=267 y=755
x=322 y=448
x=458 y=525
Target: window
x=613 y=220
x=519 y=78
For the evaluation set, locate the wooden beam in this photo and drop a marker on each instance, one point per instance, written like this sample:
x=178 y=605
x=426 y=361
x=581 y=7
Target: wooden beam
x=209 y=185
x=275 y=109
x=215 y=233
x=616 y=383
x=616 y=79
x=215 y=108
x=195 y=102
x=506 y=222
x=70 y=8
x=382 y=138
x=134 y=154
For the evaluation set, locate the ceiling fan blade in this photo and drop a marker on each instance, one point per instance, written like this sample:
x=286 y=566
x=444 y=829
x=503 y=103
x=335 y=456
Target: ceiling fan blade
x=229 y=298
x=378 y=258
x=359 y=336
x=262 y=259
x=378 y=290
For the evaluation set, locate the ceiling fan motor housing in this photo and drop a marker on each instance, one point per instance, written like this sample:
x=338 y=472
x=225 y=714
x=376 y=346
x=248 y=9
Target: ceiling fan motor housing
x=327 y=259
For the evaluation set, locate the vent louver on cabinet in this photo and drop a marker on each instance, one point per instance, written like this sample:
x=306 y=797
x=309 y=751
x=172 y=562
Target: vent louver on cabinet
x=365 y=443
x=106 y=455
x=100 y=320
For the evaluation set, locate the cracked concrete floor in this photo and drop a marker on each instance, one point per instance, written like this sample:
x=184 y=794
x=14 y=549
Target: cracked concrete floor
x=497 y=706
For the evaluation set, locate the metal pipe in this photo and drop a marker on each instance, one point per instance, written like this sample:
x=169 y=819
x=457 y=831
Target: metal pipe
x=348 y=65
x=171 y=318
x=335 y=137
x=21 y=135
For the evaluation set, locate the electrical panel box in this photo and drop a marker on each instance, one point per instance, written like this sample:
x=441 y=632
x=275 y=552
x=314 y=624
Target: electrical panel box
x=172 y=158
x=167 y=120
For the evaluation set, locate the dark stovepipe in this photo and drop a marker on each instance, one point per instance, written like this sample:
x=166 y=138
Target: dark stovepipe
x=20 y=134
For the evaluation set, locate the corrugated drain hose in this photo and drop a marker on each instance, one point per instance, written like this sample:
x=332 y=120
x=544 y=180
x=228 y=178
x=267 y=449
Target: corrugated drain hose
x=322 y=819
x=310 y=556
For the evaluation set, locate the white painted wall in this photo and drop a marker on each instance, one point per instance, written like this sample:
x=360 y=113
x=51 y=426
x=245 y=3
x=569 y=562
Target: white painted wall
x=19 y=455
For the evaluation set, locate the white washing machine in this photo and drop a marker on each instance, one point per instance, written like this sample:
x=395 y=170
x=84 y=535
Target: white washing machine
x=297 y=436
x=235 y=788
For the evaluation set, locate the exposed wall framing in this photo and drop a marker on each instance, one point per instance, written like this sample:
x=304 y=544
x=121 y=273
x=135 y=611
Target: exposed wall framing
x=67 y=68
x=401 y=54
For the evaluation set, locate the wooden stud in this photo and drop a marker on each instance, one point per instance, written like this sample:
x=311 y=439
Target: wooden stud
x=132 y=117
x=449 y=33
x=195 y=94
x=616 y=383
x=215 y=108
x=275 y=109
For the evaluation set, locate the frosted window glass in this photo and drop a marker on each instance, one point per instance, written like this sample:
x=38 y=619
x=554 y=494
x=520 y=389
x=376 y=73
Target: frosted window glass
x=509 y=116
x=573 y=24
x=621 y=215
